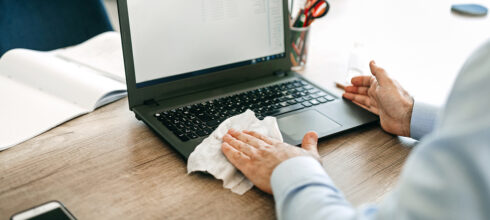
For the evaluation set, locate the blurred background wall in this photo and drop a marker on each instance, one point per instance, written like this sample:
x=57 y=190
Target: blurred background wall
x=111 y=6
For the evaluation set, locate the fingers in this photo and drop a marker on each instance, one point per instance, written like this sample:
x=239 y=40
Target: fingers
x=359 y=90
x=379 y=73
x=372 y=109
x=239 y=145
x=362 y=81
x=246 y=138
x=266 y=139
x=310 y=141
x=363 y=99
x=365 y=81
x=235 y=157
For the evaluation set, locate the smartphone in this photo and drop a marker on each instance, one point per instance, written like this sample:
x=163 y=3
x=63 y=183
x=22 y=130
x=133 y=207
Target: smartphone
x=52 y=210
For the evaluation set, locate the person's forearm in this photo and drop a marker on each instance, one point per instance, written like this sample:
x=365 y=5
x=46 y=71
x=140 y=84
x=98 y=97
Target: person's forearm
x=302 y=190
x=423 y=119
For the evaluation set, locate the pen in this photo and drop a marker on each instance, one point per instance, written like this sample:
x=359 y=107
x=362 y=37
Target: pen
x=300 y=20
x=340 y=85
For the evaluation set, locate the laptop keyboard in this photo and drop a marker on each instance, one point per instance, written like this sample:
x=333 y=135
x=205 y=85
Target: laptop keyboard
x=199 y=120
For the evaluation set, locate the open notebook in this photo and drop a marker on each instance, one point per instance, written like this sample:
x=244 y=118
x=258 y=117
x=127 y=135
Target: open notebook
x=40 y=90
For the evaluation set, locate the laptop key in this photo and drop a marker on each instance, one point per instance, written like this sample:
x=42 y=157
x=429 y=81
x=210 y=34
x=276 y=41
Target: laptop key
x=180 y=126
x=205 y=117
x=193 y=135
x=172 y=128
x=306 y=104
x=213 y=122
x=322 y=100
x=314 y=102
x=322 y=94
x=182 y=137
x=207 y=131
x=308 y=97
x=329 y=98
x=201 y=133
x=292 y=102
x=315 y=95
x=313 y=91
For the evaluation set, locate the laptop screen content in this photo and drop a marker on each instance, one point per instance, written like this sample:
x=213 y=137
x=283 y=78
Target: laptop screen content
x=173 y=40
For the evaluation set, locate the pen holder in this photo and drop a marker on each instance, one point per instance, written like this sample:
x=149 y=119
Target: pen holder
x=299 y=47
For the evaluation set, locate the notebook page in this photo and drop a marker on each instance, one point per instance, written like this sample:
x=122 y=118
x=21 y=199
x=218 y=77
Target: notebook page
x=102 y=53
x=71 y=82
x=27 y=112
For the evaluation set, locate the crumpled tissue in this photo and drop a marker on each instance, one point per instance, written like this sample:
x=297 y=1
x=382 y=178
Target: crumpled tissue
x=208 y=157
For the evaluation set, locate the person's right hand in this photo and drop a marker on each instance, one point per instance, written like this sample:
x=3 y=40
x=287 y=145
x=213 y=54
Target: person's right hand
x=385 y=97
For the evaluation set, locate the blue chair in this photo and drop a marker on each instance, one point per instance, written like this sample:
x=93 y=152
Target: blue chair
x=50 y=24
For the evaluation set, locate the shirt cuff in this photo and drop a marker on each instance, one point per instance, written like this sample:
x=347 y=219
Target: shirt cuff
x=295 y=172
x=423 y=120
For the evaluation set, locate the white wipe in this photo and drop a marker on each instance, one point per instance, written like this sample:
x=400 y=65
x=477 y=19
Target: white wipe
x=208 y=157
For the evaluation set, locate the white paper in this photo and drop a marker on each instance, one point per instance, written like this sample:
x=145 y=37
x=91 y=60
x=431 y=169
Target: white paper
x=74 y=83
x=102 y=53
x=39 y=91
x=27 y=112
x=208 y=157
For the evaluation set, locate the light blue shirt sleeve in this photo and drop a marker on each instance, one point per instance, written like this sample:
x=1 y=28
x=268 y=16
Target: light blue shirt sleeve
x=302 y=190
x=423 y=119
x=446 y=177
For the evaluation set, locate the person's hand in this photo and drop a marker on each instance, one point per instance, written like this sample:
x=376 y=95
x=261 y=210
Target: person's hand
x=256 y=155
x=383 y=96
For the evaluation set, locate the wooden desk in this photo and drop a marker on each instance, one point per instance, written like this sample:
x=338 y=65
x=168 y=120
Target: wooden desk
x=108 y=165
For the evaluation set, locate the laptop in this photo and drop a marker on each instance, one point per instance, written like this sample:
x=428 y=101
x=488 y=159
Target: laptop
x=191 y=64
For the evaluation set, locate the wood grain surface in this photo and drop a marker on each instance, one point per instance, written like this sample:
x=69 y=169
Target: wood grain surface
x=108 y=165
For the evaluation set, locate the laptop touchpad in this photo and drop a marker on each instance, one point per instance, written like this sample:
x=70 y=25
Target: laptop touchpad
x=295 y=126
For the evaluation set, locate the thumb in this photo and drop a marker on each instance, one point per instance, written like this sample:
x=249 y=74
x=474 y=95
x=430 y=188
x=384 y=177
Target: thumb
x=310 y=141
x=379 y=73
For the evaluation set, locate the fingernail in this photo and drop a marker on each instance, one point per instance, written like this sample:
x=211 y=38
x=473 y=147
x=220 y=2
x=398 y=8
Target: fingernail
x=312 y=134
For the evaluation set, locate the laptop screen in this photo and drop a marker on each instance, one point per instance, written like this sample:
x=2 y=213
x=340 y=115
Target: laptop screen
x=173 y=40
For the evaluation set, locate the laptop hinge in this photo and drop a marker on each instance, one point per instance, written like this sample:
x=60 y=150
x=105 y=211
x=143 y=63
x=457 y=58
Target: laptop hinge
x=151 y=102
x=280 y=73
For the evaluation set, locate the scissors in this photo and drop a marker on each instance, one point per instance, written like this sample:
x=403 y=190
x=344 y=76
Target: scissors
x=315 y=9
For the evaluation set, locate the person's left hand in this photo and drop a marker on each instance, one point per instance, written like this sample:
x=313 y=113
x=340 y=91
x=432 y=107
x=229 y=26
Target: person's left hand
x=257 y=155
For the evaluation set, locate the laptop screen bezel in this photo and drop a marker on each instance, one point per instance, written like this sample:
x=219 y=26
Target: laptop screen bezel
x=138 y=96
